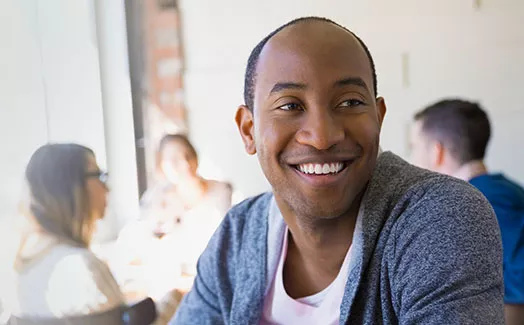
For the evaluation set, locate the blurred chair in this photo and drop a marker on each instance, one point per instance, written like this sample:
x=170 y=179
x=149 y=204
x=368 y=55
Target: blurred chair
x=142 y=313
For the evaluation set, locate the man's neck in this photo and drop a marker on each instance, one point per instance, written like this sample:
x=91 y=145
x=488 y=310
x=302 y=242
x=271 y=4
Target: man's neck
x=316 y=251
x=470 y=170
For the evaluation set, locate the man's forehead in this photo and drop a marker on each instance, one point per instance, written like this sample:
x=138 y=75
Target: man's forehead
x=312 y=34
x=314 y=45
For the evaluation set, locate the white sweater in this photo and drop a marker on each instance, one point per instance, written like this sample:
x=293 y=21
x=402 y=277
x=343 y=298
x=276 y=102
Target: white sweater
x=60 y=280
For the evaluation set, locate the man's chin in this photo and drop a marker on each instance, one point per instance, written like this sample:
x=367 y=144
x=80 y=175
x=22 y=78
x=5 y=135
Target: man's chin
x=327 y=204
x=321 y=210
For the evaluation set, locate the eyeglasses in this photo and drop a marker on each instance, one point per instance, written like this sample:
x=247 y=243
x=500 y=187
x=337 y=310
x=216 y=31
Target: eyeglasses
x=102 y=176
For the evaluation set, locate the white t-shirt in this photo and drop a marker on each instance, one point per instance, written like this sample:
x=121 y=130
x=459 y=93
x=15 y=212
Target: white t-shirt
x=280 y=309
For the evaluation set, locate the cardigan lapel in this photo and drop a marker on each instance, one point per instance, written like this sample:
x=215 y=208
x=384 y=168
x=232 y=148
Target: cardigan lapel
x=374 y=211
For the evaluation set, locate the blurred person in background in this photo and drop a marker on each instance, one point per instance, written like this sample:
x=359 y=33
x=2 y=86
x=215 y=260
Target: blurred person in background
x=182 y=210
x=55 y=274
x=183 y=194
x=451 y=137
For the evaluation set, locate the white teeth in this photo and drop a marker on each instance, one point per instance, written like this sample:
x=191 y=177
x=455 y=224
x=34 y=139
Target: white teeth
x=321 y=169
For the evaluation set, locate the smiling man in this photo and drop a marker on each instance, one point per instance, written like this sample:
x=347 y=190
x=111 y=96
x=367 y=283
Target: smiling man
x=348 y=235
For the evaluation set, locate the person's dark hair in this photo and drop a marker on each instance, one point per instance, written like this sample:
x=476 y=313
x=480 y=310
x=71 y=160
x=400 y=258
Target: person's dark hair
x=250 y=75
x=461 y=126
x=59 y=202
x=179 y=138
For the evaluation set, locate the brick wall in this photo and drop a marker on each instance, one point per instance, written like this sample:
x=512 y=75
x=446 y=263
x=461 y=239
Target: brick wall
x=164 y=66
x=164 y=59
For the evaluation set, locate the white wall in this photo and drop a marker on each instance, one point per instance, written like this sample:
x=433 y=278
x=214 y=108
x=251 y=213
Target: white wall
x=51 y=90
x=71 y=73
x=22 y=98
x=452 y=49
x=50 y=84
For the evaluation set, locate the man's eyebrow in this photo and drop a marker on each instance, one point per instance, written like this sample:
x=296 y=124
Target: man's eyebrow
x=279 y=86
x=356 y=81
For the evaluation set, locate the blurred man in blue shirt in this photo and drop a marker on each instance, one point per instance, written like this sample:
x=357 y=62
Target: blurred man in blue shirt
x=451 y=137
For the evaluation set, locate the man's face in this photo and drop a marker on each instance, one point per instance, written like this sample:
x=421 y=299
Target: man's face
x=422 y=148
x=316 y=121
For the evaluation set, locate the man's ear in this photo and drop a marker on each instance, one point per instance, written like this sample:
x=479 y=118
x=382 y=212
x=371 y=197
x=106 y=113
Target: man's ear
x=381 y=109
x=439 y=153
x=246 y=127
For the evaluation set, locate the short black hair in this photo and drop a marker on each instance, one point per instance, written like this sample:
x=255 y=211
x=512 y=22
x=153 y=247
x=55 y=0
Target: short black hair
x=462 y=126
x=250 y=76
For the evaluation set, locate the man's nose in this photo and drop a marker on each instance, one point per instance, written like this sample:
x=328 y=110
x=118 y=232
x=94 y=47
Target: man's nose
x=320 y=130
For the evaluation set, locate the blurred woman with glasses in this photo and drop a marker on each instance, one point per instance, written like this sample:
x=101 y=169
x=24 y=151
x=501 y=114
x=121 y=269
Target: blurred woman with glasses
x=55 y=273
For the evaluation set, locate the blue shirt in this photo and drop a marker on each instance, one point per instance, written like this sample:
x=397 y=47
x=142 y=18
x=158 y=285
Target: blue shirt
x=507 y=199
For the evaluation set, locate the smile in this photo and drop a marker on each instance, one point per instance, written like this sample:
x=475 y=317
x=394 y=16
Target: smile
x=321 y=168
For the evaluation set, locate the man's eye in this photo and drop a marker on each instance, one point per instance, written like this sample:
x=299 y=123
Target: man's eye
x=290 y=107
x=351 y=103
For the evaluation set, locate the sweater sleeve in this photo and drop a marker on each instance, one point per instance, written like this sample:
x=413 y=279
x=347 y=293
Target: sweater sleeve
x=200 y=305
x=447 y=266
